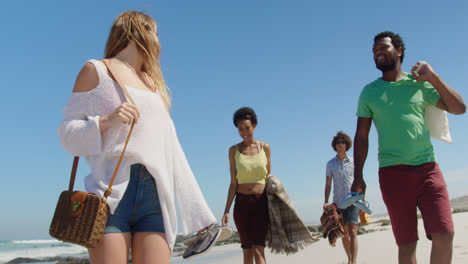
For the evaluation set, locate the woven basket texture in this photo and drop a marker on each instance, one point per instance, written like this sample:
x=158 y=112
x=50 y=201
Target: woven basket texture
x=87 y=228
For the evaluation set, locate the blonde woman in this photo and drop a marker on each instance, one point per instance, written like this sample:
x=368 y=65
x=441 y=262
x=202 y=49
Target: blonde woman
x=154 y=170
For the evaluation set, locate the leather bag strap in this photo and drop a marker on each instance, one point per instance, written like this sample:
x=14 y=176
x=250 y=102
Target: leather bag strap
x=76 y=158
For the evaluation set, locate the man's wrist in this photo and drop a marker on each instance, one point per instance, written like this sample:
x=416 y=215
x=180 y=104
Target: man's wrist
x=357 y=175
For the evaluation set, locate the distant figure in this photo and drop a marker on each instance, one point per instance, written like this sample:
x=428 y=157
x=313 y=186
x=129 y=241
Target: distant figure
x=249 y=163
x=340 y=171
x=409 y=175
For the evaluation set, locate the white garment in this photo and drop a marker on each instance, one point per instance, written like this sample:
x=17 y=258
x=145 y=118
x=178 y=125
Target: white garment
x=437 y=122
x=153 y=143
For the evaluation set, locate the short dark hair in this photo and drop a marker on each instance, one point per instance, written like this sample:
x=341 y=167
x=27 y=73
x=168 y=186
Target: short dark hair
x=343 y=136
x=397 y=41
x=245 y=113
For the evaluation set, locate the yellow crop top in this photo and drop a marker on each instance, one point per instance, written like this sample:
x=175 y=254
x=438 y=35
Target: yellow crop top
x=251 y=169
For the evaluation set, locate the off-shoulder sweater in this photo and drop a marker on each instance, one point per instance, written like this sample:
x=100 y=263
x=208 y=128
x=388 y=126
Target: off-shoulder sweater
x=153 y=143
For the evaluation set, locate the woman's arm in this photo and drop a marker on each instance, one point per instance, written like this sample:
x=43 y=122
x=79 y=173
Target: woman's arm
x=80 y=133
x=86 y=81
x=232 y=187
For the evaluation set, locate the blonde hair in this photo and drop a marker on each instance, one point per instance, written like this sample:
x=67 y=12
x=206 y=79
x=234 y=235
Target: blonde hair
x=141 y=28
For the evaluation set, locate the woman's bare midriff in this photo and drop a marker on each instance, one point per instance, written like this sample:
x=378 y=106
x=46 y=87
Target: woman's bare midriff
x=251 y=188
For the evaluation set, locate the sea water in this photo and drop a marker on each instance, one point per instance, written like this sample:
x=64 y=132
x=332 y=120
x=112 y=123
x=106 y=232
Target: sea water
x=48 y=248
x=38 y=249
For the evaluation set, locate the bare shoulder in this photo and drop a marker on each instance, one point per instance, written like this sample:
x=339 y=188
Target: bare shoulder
x=265 y=145
x=87 y=79
x=232 y=149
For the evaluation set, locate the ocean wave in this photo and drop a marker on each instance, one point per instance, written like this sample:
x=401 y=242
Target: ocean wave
x=42 y=252
x=43 y=241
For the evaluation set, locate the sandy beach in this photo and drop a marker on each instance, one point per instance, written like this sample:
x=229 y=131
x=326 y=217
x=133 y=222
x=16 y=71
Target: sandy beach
x=374 y=247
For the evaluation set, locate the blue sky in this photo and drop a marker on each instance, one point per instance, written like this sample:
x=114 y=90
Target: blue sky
x=300 y=64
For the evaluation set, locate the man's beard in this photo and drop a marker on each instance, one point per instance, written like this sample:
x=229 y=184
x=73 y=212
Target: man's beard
x=385 y=67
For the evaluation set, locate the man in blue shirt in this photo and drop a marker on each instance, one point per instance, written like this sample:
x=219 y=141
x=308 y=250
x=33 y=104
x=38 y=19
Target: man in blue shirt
x=340 y=171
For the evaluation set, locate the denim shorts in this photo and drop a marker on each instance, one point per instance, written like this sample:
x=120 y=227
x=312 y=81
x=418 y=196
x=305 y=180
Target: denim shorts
x=350 y=215
x=139 y=210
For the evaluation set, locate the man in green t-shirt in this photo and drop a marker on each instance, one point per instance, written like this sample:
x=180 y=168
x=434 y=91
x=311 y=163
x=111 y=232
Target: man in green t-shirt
x=409 y=176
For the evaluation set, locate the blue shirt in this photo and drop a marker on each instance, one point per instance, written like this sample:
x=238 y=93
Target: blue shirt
x=342 y=173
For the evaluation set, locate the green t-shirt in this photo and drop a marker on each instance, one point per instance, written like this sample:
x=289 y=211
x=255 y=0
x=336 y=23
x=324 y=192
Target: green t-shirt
x=398 y=110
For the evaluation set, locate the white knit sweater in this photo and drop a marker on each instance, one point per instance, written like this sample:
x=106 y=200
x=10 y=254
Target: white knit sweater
x=153 y=143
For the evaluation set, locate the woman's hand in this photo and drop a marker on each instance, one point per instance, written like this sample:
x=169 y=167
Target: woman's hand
x=225 y=220
x=124 y=114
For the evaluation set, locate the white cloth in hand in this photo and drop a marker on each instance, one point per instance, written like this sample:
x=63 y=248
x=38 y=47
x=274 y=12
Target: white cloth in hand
x=437 y=122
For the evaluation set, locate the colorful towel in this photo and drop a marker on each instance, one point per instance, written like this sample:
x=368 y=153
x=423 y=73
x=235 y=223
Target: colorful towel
x=332 y=223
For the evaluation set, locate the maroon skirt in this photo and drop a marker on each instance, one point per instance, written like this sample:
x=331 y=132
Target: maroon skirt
x=251 y=218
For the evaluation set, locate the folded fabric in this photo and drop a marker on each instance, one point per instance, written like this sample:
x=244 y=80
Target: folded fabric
x=332 y=223
x=286 y=233
x=437 y=122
